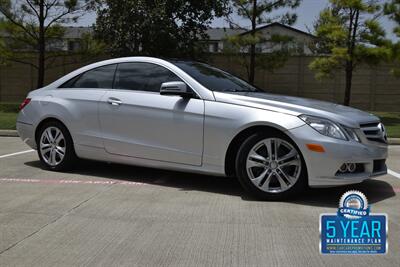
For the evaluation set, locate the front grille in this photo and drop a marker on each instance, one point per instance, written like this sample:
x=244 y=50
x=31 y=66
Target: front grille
x=374 y=132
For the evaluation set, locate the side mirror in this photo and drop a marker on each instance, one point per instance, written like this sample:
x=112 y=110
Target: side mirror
x=175 y=88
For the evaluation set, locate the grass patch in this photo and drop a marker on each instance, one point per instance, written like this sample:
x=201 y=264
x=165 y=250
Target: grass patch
x=7 y=120
x=391 y=120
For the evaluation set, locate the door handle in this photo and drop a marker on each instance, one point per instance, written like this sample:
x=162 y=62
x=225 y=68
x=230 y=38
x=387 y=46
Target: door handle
x=114 y=101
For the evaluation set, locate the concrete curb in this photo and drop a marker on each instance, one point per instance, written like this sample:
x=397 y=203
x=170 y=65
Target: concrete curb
x=13 y=133
x=394 y=141
x=8 y=133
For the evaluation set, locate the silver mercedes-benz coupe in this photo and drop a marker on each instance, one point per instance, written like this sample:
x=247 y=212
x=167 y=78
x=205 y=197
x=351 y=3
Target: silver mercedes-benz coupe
x=190 y=116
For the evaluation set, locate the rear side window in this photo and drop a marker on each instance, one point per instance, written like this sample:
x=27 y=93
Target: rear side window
x=101 y=77
x=142 y=76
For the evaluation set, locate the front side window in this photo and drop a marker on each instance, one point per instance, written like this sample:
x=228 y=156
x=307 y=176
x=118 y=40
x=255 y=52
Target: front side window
x=101 y=77
x=142 y=76
x=215 y=79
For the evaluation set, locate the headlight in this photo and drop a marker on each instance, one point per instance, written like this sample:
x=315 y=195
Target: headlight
x=325 y=127
x=352 y=134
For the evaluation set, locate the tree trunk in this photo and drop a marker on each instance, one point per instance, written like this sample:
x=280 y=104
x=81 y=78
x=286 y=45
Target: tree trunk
x=252 y=64
x=349 y=78
x=253 y=46
x=41 y=46
x=349 y=63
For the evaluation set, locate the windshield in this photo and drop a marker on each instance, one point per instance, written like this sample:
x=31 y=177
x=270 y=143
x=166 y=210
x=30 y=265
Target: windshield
x=215 y=79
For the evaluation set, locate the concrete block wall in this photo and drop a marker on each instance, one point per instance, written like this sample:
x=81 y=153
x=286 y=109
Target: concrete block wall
x=374 y=88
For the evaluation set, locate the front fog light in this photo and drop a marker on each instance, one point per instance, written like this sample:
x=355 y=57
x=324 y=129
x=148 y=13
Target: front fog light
x=343 y=168
x=350 y=168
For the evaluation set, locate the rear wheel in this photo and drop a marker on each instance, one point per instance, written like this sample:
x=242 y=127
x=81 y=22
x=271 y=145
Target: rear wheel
x=270 y=166
x=55 y=146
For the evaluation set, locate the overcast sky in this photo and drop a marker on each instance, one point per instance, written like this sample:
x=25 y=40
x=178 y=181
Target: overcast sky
x=307 y=13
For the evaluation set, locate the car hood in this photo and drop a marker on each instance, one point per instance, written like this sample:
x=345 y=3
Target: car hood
x=296 y=106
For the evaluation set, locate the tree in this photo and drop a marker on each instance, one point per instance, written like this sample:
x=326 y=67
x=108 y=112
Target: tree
x=30 y=24
x=238 y=47
x=349 y=31
x=259 y=12
x=167 y=28
x=392 y=9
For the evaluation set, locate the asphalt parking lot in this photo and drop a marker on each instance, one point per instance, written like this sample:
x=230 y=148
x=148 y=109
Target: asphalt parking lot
x=108 y=214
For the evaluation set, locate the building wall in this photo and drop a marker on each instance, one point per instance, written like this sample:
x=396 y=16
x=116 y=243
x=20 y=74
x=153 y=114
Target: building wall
x=374 y=88
x=17 y=79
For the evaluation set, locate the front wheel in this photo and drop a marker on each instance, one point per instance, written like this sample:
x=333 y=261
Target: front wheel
x=270 y=166
x=55 y=147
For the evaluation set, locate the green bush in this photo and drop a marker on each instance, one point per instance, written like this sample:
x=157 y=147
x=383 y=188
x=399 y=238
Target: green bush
x=9 y=107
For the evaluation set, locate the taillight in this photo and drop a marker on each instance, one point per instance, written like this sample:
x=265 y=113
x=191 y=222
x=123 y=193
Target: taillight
x=24 y=103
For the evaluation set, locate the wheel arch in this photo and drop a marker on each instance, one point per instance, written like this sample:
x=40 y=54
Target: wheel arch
x=234 y=145
x=44 y=121
x=69 y=158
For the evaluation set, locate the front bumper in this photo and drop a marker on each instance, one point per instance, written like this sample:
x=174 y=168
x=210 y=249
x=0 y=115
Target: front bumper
x=323 y=167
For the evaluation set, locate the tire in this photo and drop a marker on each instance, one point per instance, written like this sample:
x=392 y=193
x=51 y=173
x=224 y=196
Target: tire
x=271 y=176
x=54 y=139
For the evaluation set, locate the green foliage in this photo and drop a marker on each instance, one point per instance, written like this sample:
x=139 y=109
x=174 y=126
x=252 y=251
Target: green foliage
x=30 y=25
x=238 y=48
x=327 y=65
x=245 y=9
x=243 y=47
x=9 y=107
x=392 y=10
x=347 y=31
x=22 y=19
x=91 y=47
x=168 y=28
x=18 y=44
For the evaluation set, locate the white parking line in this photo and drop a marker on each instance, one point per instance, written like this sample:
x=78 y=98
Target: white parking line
x=53 y=181
x=395 y=174
x=16 y=153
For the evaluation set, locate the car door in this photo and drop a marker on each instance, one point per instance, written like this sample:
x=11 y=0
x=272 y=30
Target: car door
x=137 y=121
x=78 y=100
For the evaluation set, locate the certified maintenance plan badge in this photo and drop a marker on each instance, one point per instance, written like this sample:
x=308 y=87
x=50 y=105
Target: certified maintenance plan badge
x=353 y=230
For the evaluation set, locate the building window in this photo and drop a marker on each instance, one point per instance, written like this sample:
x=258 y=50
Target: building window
x=213 y=47
x=259 y=48
x=300 y=48
x=73 y=45
x=285 y=46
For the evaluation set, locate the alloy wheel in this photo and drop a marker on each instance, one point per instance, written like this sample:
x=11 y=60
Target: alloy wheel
x=52 y=146
x=273 y=165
